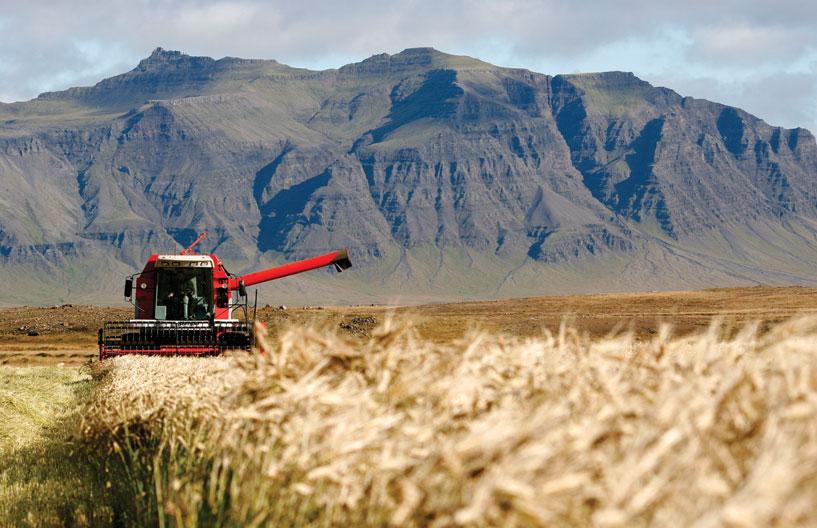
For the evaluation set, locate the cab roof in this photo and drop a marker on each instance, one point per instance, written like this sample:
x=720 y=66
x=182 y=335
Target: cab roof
x=184 y=261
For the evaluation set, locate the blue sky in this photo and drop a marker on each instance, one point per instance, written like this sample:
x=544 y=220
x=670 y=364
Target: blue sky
x=760 y=56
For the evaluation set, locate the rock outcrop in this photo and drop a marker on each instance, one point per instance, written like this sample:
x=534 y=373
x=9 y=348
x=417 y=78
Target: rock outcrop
x=445 y=176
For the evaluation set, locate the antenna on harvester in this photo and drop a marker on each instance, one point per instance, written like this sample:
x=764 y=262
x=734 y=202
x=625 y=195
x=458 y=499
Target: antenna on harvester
x=189 y=249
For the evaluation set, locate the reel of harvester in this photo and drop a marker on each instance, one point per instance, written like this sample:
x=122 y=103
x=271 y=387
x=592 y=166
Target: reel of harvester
x=186 y=304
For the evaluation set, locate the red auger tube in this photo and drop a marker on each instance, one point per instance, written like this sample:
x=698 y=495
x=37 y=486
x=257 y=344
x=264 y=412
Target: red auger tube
x=339 y=258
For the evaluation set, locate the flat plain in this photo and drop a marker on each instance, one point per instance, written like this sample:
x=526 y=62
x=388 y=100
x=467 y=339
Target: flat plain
x=67 y=334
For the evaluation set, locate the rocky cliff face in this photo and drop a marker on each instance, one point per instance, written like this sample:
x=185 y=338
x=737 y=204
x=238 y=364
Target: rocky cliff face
x=445 y=176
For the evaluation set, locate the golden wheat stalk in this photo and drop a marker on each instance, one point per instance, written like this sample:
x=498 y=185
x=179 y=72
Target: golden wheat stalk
x=489 y=430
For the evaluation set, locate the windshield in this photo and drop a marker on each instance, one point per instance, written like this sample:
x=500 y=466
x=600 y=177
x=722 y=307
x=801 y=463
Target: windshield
x=184 y=294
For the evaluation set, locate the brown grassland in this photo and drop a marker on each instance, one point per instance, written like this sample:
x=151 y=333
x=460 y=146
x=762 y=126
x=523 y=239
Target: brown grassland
x=692 y=408
x=67 y=334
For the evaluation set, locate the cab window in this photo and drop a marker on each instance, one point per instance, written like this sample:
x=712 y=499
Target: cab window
x=184 y=294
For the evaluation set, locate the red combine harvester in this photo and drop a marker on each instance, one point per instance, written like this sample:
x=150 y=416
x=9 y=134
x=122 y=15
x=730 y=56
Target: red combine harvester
x=185 y=304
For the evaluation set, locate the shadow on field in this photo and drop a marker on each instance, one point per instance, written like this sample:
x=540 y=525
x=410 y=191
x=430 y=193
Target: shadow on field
x=57 y=480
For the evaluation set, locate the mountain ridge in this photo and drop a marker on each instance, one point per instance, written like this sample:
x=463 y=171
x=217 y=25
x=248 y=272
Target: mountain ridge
x=446 y=176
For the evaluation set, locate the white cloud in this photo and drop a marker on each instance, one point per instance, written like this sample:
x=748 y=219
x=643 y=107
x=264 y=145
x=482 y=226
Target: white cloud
x=787 y=99
x=750 y=45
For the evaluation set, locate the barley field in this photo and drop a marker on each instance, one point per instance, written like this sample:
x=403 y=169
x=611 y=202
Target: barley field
x=714 y=428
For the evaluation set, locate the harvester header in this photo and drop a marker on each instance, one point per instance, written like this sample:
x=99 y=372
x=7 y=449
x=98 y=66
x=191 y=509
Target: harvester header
x=186 y=304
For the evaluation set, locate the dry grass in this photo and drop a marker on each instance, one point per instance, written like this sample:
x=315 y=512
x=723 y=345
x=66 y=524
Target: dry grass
x=31 y=398
x=557 y=430
x=67 y=334
x=46 y=478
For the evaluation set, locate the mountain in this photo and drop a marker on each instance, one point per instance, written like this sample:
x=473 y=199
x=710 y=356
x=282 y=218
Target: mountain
x=445 y=176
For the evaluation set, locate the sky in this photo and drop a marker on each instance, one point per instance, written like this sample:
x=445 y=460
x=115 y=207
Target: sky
x=759 y=55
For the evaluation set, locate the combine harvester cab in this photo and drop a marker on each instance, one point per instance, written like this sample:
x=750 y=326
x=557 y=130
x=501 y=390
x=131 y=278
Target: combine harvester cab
x=186 y=304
